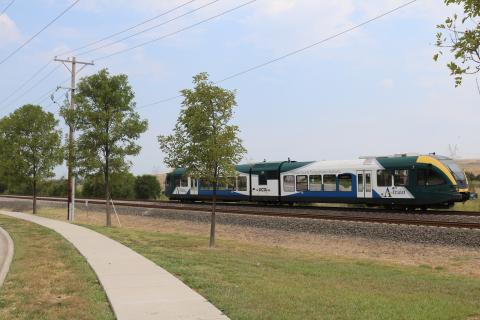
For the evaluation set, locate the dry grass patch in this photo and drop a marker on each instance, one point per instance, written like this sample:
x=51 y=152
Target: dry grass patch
x=48 y=278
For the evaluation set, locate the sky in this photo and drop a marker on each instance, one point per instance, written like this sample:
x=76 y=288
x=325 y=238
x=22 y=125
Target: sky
x=373 y=91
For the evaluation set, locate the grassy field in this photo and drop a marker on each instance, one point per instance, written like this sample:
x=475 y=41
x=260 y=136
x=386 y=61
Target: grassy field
x=48 y=278
x=267 y=282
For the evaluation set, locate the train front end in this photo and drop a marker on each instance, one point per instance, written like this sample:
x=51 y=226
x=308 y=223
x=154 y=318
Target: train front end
x=458 y=174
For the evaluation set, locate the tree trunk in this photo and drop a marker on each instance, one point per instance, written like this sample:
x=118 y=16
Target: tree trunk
x=34 y=196
x=107 y=199
x=212 y=222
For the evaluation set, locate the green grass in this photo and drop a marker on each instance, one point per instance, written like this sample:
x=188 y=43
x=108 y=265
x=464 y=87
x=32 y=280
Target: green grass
x=266 y=282
x=48 y=278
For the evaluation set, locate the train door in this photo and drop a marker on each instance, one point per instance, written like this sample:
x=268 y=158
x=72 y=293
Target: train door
x=364 y=184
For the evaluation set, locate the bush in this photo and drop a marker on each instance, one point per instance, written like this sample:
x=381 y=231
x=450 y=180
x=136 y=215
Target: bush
x=471 y=176
x=21 y=188
x=54 y=188
x=122 y=186
x=147 y=187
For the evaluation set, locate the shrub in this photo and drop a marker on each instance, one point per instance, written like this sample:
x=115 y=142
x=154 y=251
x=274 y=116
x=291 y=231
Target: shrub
x=122 y=186
x=147 y=187
x=54 y=188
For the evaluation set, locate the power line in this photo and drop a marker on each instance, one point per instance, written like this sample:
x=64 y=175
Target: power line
x=292 y=52
x=41 y=30
x=34 y=86
x=148 y=29
x=316 y=43
x=6 y=8
x=47 y=94
x=127 y=29
x=26 y=82
x=95 y=42
x=176 y=32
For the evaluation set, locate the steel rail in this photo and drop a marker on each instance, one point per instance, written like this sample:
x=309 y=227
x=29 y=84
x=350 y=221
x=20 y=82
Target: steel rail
x=278 y=213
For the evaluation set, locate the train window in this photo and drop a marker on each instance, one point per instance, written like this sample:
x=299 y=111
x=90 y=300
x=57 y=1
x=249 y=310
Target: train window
x=242 y=183
x=434 y=178
x=302 y=183
x=205 y=185
x=400 y=178
x=177 y=182
x=184 y=181
x=384 y=178
x=421 y=177
x=329 y=182
x=289 y=183
x=315 y=183
x=345 y=182
x=368 y=182
x=262 y=179
x=230 y=183
x=167 y=181
x=360 y=182
x=429 y=178
x=271 y=175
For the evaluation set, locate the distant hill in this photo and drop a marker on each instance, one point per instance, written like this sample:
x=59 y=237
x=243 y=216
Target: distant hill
x=470 y=165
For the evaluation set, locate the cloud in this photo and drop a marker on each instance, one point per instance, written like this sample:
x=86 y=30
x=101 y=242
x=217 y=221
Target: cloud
x=276 y=7
x=290 y=23
x=387 y=83
x=9 y=32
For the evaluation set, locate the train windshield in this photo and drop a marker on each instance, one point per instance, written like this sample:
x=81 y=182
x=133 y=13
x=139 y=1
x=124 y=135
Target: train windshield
x=457 y=172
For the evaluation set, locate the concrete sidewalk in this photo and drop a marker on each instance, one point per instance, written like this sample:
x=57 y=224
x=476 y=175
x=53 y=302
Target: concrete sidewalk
x=136 y=287
x=6 y=254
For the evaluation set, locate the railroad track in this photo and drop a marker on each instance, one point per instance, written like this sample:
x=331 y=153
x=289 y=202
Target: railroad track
x=277 y=212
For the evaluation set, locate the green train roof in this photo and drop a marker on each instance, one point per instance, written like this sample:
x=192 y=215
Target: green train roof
x=397 y=161
x=271 y=166
x=178 y=171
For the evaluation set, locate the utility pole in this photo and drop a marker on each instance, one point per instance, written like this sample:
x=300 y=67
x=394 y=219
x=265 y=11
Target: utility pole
x=71 y=137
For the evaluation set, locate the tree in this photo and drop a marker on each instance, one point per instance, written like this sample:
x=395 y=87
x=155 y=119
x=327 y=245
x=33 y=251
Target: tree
x=108 y=124
x=31 y=146
x=461 y=36
x=203 y=141
x=147 y=187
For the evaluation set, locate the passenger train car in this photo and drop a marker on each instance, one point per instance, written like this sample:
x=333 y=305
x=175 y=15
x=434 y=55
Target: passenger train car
x=406 y=181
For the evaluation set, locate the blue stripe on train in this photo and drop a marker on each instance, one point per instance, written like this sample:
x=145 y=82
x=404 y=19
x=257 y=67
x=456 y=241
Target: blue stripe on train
x=220 y=193
x=323 y=194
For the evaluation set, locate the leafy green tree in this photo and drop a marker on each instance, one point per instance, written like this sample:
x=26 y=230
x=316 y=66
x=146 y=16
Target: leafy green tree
x=109 y=127
x=461 y=36
x=147 y=187
x=204 y=142
x=31 y=146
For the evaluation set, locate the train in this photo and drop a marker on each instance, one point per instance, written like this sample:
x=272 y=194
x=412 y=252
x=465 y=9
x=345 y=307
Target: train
x=399 y=181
